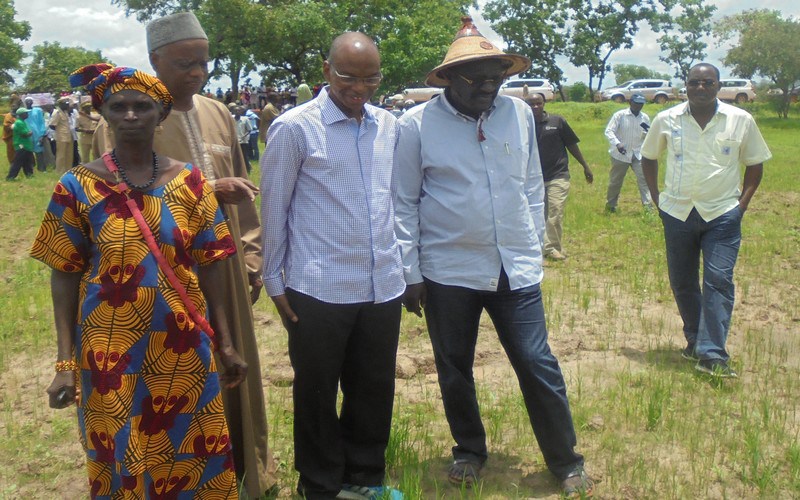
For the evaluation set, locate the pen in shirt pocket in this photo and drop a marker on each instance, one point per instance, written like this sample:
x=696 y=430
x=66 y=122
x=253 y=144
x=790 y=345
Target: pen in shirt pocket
x=508 y=151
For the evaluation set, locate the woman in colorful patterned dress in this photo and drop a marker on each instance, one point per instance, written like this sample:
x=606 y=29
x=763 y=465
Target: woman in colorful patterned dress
x=131 y=354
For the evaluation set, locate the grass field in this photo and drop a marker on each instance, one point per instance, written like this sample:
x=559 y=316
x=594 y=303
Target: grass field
x=648 y=424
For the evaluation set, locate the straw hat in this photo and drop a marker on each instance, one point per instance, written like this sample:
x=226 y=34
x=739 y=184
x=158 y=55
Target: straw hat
x=470 y=45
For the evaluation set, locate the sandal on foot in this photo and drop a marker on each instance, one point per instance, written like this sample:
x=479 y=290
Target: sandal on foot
x=464 y=472
x=577 y=484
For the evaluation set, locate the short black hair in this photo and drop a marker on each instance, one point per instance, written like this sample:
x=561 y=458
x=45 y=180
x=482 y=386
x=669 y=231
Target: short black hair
x=708 y=65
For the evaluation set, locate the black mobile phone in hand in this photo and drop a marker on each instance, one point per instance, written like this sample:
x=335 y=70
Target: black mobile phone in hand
x=62 y=398
x=645 y=126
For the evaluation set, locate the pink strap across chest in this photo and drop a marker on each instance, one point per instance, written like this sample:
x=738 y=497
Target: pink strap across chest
x=122 y=187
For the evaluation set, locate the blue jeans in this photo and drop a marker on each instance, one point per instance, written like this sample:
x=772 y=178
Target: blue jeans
x=706 y=314
x=452 y=314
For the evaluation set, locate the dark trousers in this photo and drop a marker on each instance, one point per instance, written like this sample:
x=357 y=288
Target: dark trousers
x=453 y=314
x=254 y=147
x=22 y=160
x=246 y=153
x=76 y=156
x=353 y=346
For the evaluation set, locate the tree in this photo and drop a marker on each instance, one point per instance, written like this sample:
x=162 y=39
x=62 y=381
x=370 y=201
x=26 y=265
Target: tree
x=534 y=28
x=53 y=63
x=231 y=37
x=684 y=23
x=601 y=28
x=626 y=72
x=416 y=40
x=768 y=46
x=11 y=34
x=291 y=37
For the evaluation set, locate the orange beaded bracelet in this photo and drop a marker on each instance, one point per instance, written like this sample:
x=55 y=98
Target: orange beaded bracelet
x=67 y=366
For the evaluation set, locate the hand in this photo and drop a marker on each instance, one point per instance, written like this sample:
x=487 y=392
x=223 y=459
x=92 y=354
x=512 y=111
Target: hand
x=235 y=367
x=256 y=285
x=742 y=206
x=62 y=391
x=234 y=190
x=587 y=172
x=285 y=310
x=414 y=298
x=621 y=149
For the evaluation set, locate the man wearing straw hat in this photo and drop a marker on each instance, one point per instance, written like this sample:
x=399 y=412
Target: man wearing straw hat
x=201 y=131
x=470 y=223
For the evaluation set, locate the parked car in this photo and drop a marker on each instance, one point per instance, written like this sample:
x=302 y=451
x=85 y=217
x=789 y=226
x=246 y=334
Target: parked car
x=736 y=90
x=421 y=94
x=731 y=89
x=539 y=86
x=658 y=91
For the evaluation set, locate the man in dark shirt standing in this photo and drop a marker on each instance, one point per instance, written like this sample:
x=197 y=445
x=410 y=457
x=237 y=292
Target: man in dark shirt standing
x=555 y=138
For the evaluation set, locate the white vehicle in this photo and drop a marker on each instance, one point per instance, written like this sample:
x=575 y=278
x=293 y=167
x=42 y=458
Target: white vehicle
x=736 y=90
x=421 y=94
x=731 y=89
x=518 y=87
x=658 y=91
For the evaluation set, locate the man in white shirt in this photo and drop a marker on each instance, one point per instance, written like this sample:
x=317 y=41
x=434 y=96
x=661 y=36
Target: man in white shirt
x=625 y=132
x=702 y=206
x=470 y=224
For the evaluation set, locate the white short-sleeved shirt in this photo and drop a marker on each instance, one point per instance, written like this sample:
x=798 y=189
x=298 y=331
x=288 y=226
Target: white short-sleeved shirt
x=704 y=165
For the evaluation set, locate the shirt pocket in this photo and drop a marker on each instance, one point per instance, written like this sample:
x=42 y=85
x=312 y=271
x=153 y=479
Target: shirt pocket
x=726 y=147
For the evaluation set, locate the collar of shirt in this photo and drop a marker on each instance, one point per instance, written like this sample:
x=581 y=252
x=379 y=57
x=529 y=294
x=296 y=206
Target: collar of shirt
x=332 y=114
x=449 y=107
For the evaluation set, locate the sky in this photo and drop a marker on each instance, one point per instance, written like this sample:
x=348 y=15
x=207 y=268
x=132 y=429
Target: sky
x=97 y=25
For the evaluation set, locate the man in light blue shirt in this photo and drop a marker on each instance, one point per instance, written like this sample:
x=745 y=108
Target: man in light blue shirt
x=470 y=222
x=332 y=266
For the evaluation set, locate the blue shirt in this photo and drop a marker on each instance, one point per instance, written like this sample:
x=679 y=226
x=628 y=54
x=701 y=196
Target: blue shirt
x=466 y=207
x=326 y=205
x=252 y=117
x=37 y=125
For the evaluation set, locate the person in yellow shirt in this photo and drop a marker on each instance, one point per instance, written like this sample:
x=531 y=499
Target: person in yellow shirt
x=701 y=207
x=85 y=126
x=60 y=123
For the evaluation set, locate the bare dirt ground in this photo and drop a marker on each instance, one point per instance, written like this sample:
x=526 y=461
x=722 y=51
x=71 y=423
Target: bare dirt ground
x=589 y=342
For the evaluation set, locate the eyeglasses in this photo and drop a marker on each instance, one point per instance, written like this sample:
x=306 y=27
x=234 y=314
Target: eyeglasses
x=494 y=81
x=370 y=81
x=704 y=83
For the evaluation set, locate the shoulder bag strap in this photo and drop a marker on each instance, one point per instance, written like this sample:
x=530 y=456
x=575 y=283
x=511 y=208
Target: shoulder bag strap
x=122 y=187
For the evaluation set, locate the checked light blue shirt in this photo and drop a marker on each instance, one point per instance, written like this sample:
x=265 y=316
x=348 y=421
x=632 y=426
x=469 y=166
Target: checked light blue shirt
x=466 y=207
x=326 y=205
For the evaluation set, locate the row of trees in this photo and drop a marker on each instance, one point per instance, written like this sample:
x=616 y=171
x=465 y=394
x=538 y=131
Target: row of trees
x=288 y=39
x=588 y=32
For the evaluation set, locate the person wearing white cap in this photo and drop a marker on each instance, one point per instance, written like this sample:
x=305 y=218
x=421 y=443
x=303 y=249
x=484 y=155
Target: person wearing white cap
x=625 y=133
x=201 y=131
x=470 y=223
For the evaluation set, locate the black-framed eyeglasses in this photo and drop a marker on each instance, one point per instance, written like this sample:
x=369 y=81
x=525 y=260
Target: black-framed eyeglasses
x=705 y=83
x=370 y=81
x=478 y=82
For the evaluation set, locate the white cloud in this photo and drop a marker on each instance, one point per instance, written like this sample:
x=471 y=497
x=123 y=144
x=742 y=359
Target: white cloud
x=97 y=25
